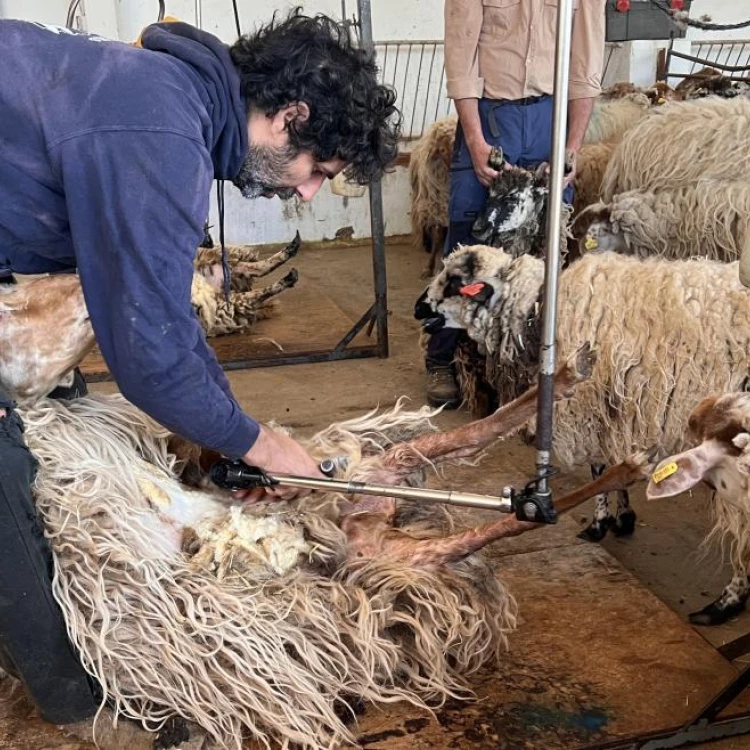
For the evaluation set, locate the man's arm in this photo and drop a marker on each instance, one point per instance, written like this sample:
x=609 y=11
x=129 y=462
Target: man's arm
x=586 y=63
x=463 y=24
x=136 y=202
x=579 y=114
x=468 y=114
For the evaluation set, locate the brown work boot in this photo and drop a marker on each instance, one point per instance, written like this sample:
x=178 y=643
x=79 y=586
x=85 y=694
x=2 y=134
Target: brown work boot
x=442 y=389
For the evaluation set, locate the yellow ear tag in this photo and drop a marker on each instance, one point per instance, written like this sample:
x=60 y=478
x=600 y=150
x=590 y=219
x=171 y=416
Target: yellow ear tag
x=590 y=242
x=664 y=472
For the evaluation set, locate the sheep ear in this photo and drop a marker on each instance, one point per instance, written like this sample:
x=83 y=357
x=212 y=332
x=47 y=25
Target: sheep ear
x=682 y=472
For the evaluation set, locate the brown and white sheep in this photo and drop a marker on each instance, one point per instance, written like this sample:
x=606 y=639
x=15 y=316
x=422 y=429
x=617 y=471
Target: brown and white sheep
x=43 y=358
x=720 y=458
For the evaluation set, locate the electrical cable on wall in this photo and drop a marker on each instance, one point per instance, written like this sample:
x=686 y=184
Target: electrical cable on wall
x=227 y=272
x=236 y=18
x=682 y=19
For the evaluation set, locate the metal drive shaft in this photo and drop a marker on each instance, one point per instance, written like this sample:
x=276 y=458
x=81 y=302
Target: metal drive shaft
x=466 y=499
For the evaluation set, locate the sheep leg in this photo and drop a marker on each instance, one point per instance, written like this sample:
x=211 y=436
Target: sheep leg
x=603 y=519
x=625 y=517
x=470 y=439
x=258 y=268
x=730 y=604
x=432 y=553
x=240 y=311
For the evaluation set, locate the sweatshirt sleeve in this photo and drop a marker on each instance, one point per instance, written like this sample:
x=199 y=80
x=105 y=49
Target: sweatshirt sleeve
x=136 y=203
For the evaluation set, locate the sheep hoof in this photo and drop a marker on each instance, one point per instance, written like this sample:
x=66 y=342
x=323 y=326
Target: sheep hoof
x=716 y=613
x=597 y=530
x=173 y=734
x=625 y=523
x=291 y=278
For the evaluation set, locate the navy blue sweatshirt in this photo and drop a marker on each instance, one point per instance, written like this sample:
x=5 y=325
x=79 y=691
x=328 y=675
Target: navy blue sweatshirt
x=107 y=155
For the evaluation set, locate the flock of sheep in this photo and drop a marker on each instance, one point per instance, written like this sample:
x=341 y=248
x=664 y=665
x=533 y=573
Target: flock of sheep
x=650 y=280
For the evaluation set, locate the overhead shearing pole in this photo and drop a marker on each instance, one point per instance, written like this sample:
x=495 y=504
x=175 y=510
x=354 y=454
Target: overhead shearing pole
x=552 y=268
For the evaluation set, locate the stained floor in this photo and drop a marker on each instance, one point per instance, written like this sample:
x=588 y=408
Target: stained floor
x=602 y=647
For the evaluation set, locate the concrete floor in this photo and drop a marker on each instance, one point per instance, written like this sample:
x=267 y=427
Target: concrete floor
x=664 y=553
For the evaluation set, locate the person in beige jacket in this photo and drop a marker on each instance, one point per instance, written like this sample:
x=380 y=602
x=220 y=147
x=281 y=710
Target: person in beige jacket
x=500 y=65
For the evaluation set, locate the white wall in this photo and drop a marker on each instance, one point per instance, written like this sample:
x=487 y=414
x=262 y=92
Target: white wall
x=272 y=221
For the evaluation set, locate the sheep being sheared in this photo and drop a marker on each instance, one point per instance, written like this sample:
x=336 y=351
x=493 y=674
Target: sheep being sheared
x=708 y=218
x=720 y=425
x=30 y=374
x=666 y=334
x=429 y=173
x=264 y=620
x=680 y=143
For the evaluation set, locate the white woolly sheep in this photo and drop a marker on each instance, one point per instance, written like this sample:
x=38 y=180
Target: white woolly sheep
x=680 y=143
x=666 y=334
x=611 y=118
x=720 y=425
x=708 y=218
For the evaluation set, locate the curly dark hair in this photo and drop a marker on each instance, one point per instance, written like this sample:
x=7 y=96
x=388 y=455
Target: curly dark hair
x=316 y=61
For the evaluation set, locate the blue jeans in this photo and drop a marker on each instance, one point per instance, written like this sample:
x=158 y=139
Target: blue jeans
x=524 y=132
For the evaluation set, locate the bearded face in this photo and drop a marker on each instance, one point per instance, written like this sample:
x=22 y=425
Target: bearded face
x=265 y=172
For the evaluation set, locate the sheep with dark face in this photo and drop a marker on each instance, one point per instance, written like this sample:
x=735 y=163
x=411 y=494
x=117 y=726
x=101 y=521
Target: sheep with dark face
x=515 y=213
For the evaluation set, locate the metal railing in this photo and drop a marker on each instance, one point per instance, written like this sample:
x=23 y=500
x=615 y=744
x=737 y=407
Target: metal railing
x=416 y=69
x=729 y=56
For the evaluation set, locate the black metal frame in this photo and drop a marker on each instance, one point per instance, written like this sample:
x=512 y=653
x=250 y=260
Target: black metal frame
x=730 y=69
x=377 y=315
x=705 y=726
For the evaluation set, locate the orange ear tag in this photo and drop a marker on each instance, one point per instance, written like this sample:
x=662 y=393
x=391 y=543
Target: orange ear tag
x=471 y=290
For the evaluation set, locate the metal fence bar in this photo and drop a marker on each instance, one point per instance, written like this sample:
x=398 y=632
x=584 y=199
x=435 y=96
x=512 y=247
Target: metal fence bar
x=377 y=221
x=415 y=67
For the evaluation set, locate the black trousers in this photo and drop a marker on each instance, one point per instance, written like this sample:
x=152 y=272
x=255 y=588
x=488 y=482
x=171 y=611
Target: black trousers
x=34 y=644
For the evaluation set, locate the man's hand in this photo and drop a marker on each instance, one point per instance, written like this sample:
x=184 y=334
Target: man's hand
x=570 y=166
x=276 y=453
x=480 y=152
x=3 y=413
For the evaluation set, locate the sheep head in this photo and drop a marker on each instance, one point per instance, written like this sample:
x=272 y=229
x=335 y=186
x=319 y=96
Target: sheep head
x=513 y=215
x=721 y=459
x=598 y=231
x=488 y=293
